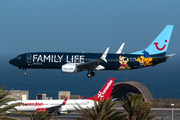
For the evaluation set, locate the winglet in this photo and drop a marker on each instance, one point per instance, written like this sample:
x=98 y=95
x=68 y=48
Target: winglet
x=103 y=57
x=64 y=102
x=120 y=49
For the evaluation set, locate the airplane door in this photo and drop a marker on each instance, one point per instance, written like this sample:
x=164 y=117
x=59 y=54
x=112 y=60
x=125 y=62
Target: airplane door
x=28 y=58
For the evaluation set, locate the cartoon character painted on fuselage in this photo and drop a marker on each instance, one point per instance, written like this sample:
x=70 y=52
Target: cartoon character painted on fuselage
x=145 y=60
x=123 y=63
x=154 y=54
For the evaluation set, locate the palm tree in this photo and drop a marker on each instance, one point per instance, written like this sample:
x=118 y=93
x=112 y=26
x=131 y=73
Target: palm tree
x=135 y=106
x=3 y=100
x=41 y=115
x=102 y=110
x=145 y=115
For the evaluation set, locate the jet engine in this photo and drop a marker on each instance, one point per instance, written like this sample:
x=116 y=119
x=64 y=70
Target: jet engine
x=69 y=68
x=40 y=109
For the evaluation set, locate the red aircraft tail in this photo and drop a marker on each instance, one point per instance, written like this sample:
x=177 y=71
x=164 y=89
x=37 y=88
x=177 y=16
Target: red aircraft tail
x=105 y=92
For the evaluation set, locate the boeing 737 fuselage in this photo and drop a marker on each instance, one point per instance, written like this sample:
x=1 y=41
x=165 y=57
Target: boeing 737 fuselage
x=76 y=62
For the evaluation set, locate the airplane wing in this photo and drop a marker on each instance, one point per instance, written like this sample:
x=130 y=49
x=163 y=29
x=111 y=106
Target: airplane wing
x=120 y=49
x=55 y=108
x=94 y=65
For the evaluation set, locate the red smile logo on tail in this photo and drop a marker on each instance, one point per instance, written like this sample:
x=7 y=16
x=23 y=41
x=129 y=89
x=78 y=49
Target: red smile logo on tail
x=156 y=44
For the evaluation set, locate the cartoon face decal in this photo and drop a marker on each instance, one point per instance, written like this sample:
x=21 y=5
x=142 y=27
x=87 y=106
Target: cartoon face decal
x=123 y=63
x=156 y=44
x=144 y=61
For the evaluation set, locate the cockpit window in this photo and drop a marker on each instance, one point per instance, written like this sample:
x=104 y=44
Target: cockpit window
x=19 y=57
x=6 y=104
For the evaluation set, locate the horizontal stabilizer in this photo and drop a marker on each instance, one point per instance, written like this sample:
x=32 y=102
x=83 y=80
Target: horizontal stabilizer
x=171 y=55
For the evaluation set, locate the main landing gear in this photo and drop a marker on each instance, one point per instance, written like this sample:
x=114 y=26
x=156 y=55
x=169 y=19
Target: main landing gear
x=90 y=74
x=57 y=113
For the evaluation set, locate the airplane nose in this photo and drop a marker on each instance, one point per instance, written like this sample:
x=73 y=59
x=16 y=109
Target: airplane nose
x=12 y=61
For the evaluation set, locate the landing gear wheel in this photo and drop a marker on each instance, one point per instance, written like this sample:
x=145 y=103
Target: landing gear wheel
x=56 y=113
x=25 y=73
x=90 y=74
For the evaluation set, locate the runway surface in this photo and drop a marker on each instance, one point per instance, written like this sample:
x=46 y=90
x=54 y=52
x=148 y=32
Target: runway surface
x=161 y=113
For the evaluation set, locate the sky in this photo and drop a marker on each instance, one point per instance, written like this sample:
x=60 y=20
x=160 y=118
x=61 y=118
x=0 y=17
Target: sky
x=86 y=25
x=81 y=25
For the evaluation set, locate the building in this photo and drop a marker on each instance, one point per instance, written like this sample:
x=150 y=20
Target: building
x=121 y=89
x=19 y=95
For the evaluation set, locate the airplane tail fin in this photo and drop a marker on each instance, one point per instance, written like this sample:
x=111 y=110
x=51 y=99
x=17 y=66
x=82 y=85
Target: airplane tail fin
x=160 y=44
x=105 y=92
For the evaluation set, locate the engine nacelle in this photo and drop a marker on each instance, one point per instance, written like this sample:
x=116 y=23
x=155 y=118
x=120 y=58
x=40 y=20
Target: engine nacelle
x=69 y=68
x=41 y=109
x=63 y=110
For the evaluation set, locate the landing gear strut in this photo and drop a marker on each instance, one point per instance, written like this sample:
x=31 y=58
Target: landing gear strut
x=90 y=74
x=57 y=113
x=25 y=71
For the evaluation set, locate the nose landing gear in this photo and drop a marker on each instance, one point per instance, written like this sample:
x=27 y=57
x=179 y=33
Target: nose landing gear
x=25 y=71
x=90 y=74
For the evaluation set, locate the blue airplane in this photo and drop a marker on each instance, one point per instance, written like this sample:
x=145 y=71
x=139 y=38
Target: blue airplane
x=154 y=54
